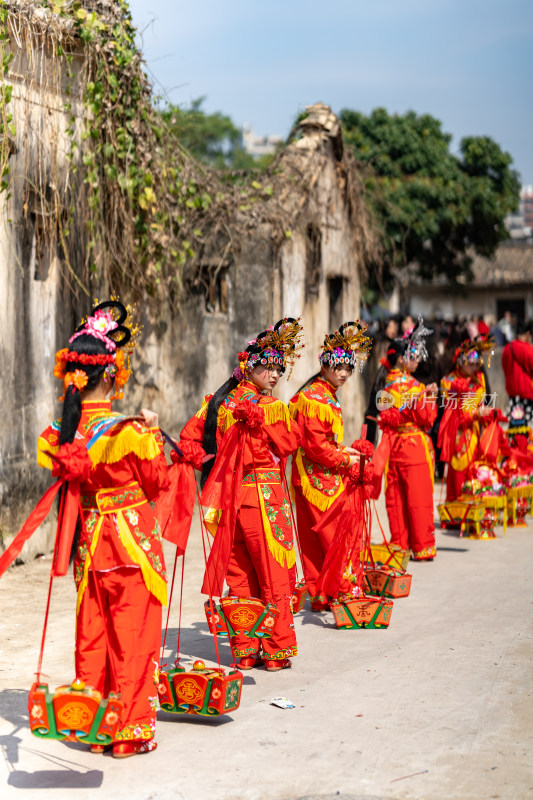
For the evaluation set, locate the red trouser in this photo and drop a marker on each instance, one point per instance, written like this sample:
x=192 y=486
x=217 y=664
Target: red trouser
x=314 y=546
x=409 y=500
x=132 y=619
x=454 y=482
x=253 y=572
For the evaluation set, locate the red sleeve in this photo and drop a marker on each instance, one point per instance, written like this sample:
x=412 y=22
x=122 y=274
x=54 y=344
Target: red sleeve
x=193 y=430
x=523 y=356
x=152 y=474
x=315 y=443
x=282 y=441
x=422 y=414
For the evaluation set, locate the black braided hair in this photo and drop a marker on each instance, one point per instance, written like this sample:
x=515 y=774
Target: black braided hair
x=396 y=349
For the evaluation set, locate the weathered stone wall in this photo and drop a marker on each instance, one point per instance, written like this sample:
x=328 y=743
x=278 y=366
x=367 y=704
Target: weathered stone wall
x=312 y=296
x=36 y=311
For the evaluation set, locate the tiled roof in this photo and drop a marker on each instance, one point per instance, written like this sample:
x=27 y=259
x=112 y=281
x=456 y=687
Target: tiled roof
x=511 y=265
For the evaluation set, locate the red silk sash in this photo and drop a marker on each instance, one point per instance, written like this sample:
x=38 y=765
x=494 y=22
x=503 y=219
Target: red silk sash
x=223 y=491
x=39 y=513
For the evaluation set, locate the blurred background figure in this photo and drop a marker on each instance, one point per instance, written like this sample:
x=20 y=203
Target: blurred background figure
x=507 y=326
x=517 y=363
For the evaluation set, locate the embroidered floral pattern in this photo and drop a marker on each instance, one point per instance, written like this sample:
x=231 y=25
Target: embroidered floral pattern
x=281 y=527
x=427 y=552
x=156 y=564
x=139 y=731
x=132 y=516
x=247 y=651
x=90 y=522
x=287 y=653
x=332 y=478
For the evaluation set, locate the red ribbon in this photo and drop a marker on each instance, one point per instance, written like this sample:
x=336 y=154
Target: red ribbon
x=223 y=491
x=39 y=513
x=174 y=508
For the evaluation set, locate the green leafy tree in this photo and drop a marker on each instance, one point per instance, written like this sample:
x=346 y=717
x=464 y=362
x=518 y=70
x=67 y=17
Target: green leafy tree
x=211 y=138
x=433 y=206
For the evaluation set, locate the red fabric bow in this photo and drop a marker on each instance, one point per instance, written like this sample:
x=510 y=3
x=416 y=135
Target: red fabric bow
x=389 y=419
x=364 y=447
x=193 y=453
x=72 y=462
x=249 y=412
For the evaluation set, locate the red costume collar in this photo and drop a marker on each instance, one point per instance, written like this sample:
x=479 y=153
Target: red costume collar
x=327 y=385
x=90 y=406
x=470 y=378
x=249 y=385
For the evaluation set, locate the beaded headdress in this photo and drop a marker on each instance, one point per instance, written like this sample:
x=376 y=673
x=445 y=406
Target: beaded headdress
x=278 y=346
x=415 y=342
x=111 y=323
x=470 y=351
x=346 y=346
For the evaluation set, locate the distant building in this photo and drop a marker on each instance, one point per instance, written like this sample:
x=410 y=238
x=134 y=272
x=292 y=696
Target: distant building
x=499 y=284
x=526 y=204
x=258 y=146
x=520 y=224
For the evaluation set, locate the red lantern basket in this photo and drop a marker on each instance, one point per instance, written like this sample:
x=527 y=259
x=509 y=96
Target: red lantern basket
x=241 y=615
x=203 y=691
x=387 y=582
x=362 y=612
x=74 y=713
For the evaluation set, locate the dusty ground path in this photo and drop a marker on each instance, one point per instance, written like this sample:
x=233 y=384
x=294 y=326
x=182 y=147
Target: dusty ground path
x=437 y=706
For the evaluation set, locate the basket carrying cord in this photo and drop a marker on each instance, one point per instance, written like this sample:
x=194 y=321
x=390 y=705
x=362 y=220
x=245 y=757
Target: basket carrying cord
x=212 y=607
x=93 y=572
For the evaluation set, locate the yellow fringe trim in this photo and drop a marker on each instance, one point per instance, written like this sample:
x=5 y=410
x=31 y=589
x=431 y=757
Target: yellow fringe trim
x=45 y=461
x=276 y=412
x=202 y=413
x=155 y=584
x=84 y=580
x=285 y=558
x=322 y=411
x=112 y=448
x=225 y=419
x=315 y=497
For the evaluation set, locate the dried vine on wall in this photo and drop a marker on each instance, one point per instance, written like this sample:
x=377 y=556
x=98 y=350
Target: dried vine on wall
x=125 y=203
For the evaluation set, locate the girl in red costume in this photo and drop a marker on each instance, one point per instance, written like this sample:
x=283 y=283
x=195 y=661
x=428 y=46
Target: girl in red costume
x=409 y=472
x=251 y=434
x=119 y=544
x=464 y=392
x=319 y=463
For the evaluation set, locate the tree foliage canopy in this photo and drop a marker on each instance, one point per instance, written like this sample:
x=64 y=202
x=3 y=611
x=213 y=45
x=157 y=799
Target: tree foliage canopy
x=211 y=138
x=433 y=206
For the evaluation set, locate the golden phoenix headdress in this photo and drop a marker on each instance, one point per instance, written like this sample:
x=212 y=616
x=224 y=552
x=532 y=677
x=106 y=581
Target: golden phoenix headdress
x=346 y=345
x=278 y=346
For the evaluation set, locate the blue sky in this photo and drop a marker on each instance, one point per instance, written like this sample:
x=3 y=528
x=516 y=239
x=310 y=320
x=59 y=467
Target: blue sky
x=467 y=62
